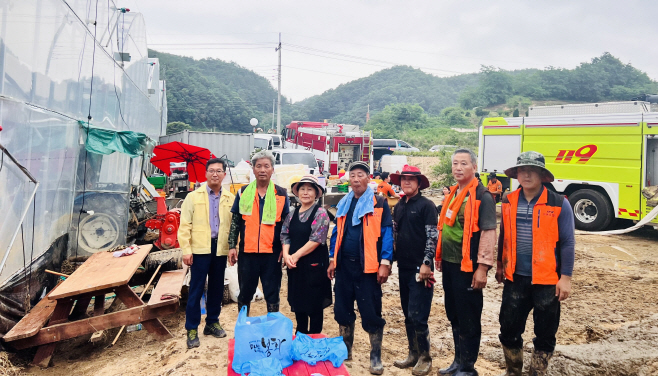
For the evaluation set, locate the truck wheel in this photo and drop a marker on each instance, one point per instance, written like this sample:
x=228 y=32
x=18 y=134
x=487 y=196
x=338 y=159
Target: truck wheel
x=592 y=210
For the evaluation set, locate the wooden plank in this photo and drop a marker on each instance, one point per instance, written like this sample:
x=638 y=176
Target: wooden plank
x=99 y=305
x=45 y=353
x=68 y=330
x=170 y=283
x=101 y=271
x=80 y=308
x=34 y=320
x=153 y=326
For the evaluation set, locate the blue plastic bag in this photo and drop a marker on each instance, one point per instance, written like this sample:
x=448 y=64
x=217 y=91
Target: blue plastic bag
x=268 y=336
x=313 y=350
x=265 y=367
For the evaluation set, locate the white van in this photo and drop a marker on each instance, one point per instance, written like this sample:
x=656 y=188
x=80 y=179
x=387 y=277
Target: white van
x=297 y=156
x=266 y=141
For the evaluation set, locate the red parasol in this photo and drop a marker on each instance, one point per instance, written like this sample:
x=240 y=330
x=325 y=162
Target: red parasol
x=195 y=157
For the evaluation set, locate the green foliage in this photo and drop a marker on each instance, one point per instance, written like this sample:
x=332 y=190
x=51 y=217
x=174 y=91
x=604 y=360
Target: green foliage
x=409 y=122
x=605 y=78
x=443 y=170
x=177 y=126
x=210 y=94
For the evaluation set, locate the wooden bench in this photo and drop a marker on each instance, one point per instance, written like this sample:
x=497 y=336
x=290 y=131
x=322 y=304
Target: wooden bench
x=36 y=319
x=170 y=283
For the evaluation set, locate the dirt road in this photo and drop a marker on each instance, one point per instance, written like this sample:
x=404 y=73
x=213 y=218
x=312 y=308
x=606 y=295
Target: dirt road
x=609 y=326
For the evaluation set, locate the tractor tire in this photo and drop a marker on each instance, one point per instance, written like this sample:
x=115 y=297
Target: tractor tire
x=592 y=210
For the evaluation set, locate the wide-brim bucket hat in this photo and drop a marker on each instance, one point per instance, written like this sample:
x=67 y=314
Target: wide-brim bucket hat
x=411 y=171
x=294 y=187
x=531 y=158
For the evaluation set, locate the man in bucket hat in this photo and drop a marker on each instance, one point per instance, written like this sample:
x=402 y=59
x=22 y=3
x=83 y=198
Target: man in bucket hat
x=360 y=258
x=414 y=226
x=535 y=261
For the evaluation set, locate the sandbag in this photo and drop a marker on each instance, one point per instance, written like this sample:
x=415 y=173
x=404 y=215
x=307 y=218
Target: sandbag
x=313 y=350
x=268 y=336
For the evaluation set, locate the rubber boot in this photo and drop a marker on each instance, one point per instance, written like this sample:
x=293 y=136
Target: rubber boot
x=241 y=304
x=513 y=362
x=539 y=363
x=273 y=307
x=454 y=367
x=468 y=352
x=376 y=366
x=424 y=364
x=347 y=332
x=412 y=358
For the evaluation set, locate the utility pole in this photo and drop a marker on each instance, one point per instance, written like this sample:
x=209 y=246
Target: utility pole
x=273 y=106
x=278 y=108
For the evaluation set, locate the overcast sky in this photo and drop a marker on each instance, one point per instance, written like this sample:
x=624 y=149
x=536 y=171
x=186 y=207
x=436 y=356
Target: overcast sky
x=327 y=43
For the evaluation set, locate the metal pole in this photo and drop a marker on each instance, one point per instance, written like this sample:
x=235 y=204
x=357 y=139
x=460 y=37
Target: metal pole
x=278 y=108
x=273 y=107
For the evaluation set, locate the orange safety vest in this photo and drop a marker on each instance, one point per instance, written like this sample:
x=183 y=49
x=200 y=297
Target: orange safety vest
x=259 y=237
x=545 y=236
x=471 y=238
x=372 y=232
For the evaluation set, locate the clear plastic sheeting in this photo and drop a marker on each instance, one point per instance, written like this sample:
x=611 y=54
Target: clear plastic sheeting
x=46 y=145
x=48 y=51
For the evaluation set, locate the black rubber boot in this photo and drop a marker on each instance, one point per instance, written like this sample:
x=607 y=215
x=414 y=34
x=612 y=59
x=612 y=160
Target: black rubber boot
x=468 y=355
x=241 y=304
x=513 y=361
x=347 y=332
x=412 y=358
x=539 y=363
x=454 y=367
x=424 y=364
x=273 y=307
x=376 y=366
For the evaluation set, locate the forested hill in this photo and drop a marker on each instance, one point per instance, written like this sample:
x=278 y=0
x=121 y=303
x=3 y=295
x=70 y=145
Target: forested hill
x=604 y=78
x=348 y=103
x=212 y=94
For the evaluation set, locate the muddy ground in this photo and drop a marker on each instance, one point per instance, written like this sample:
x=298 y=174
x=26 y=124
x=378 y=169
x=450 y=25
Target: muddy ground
x=609 y=326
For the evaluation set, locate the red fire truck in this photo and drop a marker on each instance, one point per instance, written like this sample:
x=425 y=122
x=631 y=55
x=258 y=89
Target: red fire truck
x=334 y=145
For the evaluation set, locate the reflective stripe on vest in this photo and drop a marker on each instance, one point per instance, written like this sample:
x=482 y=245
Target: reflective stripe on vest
x=372 y=231
x=259 y=237
x=471 y=225
x=545 y=235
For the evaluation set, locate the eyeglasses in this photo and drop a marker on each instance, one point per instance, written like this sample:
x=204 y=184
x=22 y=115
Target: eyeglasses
x=213 y=172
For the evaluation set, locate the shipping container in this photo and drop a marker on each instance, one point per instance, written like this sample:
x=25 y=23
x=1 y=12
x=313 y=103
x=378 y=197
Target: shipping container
x=236 y=146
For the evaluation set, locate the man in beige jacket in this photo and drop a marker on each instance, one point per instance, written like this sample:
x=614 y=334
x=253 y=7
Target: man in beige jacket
x=203 y=237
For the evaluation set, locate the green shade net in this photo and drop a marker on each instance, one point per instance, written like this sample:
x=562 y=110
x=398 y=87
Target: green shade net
x=107 y=141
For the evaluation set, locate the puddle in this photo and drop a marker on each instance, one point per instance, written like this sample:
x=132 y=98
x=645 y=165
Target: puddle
x=617 y=252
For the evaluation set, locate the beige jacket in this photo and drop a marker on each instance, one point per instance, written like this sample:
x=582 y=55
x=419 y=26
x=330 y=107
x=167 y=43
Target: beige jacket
x=194 y=230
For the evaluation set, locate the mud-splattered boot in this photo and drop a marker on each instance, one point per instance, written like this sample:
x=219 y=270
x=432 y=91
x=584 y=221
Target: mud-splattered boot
x=412 y=358
x=513 y=362
x=424 y=364
x=454 y=367
x=376 y=366
x=539 y=363
x=347 y=332
x=273 y=307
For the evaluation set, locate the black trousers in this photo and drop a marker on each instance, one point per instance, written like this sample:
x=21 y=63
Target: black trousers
x=519 y=298
x=255 y=266
x=464 y=310
x=309 y=323
x=353 y=284
x=213 y=267
x=416 y=300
